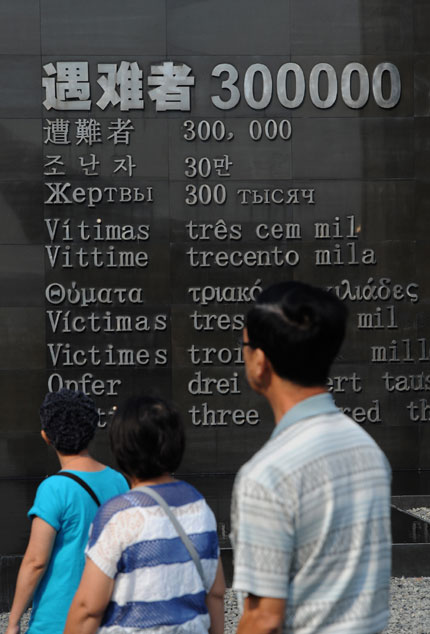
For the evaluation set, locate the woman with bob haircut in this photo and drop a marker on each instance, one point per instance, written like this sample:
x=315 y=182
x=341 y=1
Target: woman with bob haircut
x=139 y=575
x=62 y=514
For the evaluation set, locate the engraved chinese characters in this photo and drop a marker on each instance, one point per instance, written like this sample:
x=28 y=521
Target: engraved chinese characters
x=103 y=324
x=162 y=162
x=161 y=262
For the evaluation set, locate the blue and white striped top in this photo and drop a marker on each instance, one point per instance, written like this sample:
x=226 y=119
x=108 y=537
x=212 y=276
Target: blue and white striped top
x=157 y=586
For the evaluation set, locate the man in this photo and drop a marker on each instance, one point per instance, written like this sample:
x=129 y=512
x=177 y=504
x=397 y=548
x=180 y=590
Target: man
x=310 y=510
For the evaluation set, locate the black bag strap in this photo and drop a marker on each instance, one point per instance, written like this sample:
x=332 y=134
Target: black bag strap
x=83 y=484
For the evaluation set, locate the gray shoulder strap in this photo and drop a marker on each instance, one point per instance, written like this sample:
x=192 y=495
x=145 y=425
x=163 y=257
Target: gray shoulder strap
x=182 y=534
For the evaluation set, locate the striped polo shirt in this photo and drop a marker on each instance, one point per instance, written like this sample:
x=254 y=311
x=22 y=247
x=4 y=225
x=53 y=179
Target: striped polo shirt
x=311 y=523
x=157 y=586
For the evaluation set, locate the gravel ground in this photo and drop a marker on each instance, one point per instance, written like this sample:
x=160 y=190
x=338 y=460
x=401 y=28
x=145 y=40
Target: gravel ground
x=410 y=608
x=423 y=512
x=4 y=617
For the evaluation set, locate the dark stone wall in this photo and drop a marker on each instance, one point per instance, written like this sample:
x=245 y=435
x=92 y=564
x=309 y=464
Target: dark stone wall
x=362 y=171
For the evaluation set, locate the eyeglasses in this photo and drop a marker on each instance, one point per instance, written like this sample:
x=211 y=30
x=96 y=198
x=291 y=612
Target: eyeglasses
x=245 y=343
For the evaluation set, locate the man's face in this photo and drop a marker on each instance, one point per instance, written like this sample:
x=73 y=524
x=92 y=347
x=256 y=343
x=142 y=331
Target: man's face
x=249 y=358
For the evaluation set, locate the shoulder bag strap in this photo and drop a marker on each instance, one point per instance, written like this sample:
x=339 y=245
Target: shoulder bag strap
x=182 y=534
x=83 y=484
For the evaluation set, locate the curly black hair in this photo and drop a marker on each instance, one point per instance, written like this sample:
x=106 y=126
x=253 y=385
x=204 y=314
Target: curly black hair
x=69 y=419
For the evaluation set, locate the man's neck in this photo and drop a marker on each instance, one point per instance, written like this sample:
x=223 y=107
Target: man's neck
x=284 y=395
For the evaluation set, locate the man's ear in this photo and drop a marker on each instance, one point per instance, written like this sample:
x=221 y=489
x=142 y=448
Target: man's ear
x=259 y=360
x=262 y=369
x=45 y=437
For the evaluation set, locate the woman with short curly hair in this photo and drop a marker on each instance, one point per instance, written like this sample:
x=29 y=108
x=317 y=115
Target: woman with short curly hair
x=62 y=514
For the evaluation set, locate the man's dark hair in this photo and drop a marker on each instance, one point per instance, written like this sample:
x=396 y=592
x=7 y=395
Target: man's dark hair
x=300 y=328
x=147 y=437
x=69 y=419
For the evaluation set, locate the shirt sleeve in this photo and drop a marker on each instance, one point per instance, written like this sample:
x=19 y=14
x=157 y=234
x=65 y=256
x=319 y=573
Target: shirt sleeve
x=48 y=504
x=263 y=538
x=111 y=532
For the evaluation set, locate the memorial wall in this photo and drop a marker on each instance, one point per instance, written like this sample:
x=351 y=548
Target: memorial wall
x=160 y=163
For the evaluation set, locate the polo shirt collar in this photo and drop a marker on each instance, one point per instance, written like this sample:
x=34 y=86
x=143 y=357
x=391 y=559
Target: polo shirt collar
x=312 y=406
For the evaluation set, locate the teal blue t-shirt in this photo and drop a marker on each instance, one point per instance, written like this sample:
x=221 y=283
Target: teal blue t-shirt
x=67 y=507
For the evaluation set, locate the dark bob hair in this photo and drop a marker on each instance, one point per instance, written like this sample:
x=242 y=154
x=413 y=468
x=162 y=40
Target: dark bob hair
x=147 y=437
x=300 y=328
x=69 y=419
